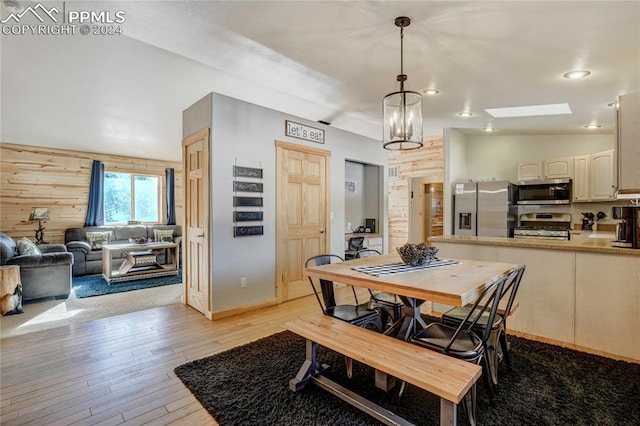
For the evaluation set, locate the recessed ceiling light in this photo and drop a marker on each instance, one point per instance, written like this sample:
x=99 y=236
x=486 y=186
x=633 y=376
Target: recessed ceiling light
x=431 y=92
x=489 y=129
x=576 y=74
x=465 y=114
x=529 y=111
x=613 y=104
x=592 y=126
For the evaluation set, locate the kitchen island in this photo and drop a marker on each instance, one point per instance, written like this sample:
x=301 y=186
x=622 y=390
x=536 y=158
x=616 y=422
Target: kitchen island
x=580 y=293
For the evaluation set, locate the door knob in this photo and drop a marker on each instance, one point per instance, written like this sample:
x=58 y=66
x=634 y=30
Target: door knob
x=322 y=231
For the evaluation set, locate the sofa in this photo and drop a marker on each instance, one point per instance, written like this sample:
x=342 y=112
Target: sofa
x=85 y=244
x=45 y=270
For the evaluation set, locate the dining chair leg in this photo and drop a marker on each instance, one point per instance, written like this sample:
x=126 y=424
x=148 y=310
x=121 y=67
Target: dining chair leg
x=403 y=387
x=486 y=377
x=469 y=405
x=505 y=349
x=349 y=364
x=492 y=362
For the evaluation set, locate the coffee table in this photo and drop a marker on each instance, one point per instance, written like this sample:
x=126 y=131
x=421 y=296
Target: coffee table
x=140 y=261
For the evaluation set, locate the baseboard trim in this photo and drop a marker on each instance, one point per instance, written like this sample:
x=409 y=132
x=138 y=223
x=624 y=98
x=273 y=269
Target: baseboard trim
x=572 y=346
x=242 y=309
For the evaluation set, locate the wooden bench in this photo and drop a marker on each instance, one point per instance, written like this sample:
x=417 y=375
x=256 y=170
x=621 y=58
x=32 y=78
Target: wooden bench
x=449 y=378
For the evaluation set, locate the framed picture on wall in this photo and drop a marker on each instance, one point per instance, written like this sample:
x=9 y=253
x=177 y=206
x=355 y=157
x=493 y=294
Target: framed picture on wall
x=246 y=231
x=247 y=216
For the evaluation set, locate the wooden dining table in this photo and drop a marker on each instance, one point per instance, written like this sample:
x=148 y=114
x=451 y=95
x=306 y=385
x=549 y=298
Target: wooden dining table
x=454 y=283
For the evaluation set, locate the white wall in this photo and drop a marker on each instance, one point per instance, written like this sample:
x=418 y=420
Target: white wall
x=455 y=170
x=496 y=156
x=245 y=134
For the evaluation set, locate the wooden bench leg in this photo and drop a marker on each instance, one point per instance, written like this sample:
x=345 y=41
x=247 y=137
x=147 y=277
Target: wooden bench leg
x=310 y=366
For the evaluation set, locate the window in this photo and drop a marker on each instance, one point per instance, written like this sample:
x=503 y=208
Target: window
x=130 y=197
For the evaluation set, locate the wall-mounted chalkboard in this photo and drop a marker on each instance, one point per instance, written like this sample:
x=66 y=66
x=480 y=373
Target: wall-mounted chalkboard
x=239 y=171
x=245 y=231
x=246 y=216
x=239 y=186
x=247 y=201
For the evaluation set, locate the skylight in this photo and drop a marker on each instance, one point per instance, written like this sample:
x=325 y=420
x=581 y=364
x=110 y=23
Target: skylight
x=529 y=111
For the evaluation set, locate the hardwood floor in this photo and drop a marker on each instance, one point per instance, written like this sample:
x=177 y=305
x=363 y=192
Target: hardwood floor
x=119 y=370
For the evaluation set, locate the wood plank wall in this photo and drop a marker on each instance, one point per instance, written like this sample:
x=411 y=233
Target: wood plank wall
x=426 y=162
x=33 y=176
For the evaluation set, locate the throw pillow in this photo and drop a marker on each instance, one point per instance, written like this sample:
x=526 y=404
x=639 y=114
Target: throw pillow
x=163 y=235
x=26 y=246
x=97 y=239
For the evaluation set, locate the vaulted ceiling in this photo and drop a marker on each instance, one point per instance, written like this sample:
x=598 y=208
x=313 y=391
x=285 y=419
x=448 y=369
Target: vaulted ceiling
x=335 y=60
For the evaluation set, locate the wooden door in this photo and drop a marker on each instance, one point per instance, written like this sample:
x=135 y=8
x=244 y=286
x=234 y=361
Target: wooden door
x=196 y=235
x=302 y=209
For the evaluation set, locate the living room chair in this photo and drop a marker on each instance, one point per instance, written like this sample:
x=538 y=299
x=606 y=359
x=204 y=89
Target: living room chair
x=388 y=304
x=463 y=343
x=498 y=334
x=353 y=246
x=45 y=270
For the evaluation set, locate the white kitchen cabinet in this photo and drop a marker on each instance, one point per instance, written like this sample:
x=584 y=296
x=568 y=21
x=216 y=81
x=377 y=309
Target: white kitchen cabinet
x=558 y=169
x=581 y=177
x=601 y=184
x=593 y=177
x=529 y=170
x=608 y=303
x=628 y=143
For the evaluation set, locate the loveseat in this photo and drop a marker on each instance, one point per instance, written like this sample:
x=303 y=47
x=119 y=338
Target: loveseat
x=45 y=270
x=86 y=243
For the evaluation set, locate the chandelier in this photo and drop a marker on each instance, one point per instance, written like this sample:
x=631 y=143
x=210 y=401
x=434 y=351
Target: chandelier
x=402 y=111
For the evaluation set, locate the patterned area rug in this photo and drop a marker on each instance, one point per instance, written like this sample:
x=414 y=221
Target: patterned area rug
x=95 y=285
x=549 y=385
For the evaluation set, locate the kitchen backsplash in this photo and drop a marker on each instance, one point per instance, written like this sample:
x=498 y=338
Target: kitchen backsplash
x=576 y=209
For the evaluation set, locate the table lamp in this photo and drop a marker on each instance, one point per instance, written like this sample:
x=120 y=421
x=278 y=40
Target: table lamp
x=39 y=214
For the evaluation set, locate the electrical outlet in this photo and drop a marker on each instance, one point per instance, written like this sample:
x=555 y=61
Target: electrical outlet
x=243 y=282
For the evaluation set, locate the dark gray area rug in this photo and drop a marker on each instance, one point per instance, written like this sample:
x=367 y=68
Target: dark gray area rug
x=549 y=385
x=95 y=285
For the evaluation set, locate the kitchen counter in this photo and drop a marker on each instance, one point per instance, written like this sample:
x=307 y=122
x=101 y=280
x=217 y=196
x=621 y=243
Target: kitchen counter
x=566 y=287
x=578 y=244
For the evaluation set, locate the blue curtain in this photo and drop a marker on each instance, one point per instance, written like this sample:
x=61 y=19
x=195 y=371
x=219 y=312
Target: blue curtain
x=95 y=209
x=170 y=196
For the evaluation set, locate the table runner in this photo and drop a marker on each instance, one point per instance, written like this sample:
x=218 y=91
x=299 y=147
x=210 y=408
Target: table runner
x=400 y=268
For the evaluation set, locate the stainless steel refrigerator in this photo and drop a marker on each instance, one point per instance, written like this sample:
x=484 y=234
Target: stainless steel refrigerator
x=485 y=209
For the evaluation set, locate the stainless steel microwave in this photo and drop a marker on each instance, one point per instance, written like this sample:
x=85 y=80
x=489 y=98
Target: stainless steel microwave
x=550 y=191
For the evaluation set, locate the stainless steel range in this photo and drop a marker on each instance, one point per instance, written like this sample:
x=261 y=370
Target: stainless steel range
x=547 y=226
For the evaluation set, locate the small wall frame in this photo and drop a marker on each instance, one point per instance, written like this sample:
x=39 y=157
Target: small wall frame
x=247 y=216
x=246 y=231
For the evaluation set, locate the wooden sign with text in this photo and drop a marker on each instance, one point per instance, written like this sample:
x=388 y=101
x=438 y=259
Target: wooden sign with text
x=301 y=131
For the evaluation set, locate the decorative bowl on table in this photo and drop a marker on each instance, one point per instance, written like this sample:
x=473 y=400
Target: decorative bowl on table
x=417 y=254
x=138 y=240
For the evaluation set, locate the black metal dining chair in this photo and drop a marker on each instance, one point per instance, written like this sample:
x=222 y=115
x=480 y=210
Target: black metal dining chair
x=463 y=343
x=388 y=304
x=361 y=316
x=354 y=314
x=497 y=347
x=354 y=245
